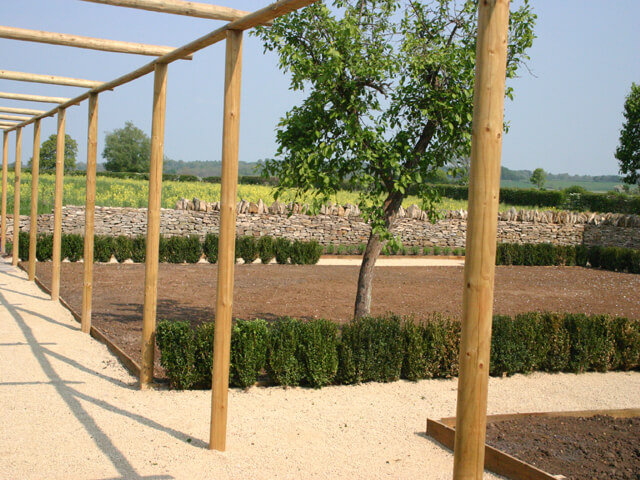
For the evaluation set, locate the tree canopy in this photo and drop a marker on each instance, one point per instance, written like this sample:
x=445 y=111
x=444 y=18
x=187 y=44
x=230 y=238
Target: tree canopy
x=48 y=151
x=538 y=177
x=628 y=151
x=127 y=149
x=389 y=101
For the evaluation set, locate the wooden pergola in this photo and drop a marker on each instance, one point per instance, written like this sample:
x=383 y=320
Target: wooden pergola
x=483 y=191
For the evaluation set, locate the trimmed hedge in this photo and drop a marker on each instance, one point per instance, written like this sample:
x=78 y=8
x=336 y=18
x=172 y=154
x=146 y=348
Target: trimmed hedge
x=176 y=249
x=384 y=349
x=583 y=201
x=540 y=254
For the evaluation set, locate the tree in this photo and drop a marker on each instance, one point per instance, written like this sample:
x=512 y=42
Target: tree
x=390 y=99
x=538 y=177
x=127 y=149
x=48 y=150
x=628 y=152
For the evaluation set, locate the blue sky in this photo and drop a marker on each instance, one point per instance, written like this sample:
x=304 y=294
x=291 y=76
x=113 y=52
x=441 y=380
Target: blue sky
x=566 y=115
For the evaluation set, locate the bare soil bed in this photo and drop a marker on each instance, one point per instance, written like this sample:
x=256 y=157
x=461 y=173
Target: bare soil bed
x=598 y=447
x=187 y=292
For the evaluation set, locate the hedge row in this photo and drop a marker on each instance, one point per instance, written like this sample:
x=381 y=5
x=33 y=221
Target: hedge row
x=616 y=259
x=172 y=249
x=583 y=201
x=385 y=349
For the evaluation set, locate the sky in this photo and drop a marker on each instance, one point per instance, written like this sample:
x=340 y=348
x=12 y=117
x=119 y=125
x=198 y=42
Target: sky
x=566 y=115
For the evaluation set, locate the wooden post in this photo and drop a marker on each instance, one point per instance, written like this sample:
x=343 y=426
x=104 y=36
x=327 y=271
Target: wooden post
x=16 y=198
x=35 y=168
x=3 y=211
x=484 y=189
x=226 y=244
x=153 y=226
x=57 y=208
x=89 y=211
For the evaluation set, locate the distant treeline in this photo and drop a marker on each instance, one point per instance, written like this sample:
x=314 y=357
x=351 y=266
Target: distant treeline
x=524 y=175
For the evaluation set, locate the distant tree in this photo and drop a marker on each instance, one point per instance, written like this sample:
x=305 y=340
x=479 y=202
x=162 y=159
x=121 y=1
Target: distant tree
x=48 y=154
x=538 y=177
x=127 y=149
x=628 y=152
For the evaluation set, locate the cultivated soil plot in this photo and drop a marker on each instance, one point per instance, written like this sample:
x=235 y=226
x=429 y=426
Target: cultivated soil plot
x=187 y=292
x=599 y=447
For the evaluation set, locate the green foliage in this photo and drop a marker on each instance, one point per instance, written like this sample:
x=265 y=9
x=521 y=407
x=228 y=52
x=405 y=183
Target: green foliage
x=48 y=151
x=139 y=248
x=516 y=344
x=319 y=352
x=203 y=355
x=247 y=248
x=71 y=246
x=305 y=253
x=628 y=151
x=177 y=353
x=122 y=248
x=210 y=247
x=626 y=334
x=248 y=352
x=44 y=247
x=284 y=365
x=183 y=249
x=371 y=350
x=282 y=250
x=592 y=343
x=127 y=149
x=538 y=178
x=266 y=249
x=103 y=248
x=329 y=249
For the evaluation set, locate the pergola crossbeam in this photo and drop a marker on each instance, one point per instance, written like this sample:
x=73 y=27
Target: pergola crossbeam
x=67 y=40
x=259 y=17
x=178 y=7
x=35 y=98
x=50 y=79
x=17 y=118
x=27 y=111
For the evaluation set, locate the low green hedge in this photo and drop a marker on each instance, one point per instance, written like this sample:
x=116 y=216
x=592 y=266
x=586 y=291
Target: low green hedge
x=384 y=349
x=608 y=258
x=176 y=249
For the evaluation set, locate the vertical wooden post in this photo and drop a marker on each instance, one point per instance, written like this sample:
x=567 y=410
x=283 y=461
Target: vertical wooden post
x=3 y=208
x=57 y=208
x=16 y=197
x=226 y=244
x=484 y=189
x=35 y=169
x=153 y=226
x=89 y=211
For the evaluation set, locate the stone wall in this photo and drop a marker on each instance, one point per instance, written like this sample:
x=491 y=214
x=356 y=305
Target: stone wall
x=563 y=228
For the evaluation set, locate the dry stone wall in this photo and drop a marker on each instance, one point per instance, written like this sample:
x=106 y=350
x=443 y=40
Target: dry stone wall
x=342 y=225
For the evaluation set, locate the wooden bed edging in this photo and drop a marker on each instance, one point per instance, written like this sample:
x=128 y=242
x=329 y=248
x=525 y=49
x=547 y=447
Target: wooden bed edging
x=129 y=363
x=443 y=431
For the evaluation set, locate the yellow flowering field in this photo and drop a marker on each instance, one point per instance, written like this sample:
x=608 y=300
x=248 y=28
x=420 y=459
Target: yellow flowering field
x=115 y=192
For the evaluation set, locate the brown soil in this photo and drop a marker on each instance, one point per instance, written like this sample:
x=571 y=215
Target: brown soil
x=187 y=292
x=599 y=447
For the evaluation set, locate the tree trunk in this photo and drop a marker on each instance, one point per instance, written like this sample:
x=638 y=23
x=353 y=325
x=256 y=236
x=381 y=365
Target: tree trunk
x=365 y=279
x=371 y=253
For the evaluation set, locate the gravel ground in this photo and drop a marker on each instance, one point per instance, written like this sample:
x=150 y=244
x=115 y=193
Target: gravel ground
x=71 y=411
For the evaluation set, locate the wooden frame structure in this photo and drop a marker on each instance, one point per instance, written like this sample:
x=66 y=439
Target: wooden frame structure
x=483 y=193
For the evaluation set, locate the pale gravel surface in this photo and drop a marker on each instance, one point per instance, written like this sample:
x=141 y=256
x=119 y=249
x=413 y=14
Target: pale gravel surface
x=68 y=410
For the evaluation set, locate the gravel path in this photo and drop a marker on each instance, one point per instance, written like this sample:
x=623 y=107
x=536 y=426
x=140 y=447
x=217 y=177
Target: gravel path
x=70 y=411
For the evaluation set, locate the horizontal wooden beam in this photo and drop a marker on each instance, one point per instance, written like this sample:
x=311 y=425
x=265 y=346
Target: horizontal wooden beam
x=177 y=7
x=259 y=17
x=14 y=33
x=8 y=124
x=27 y=111
x=52 y=79
x=14 y=117
x=33 y=98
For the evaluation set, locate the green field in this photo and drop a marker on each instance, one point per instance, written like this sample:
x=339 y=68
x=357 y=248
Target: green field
x=597 y=187
x=114 y=192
